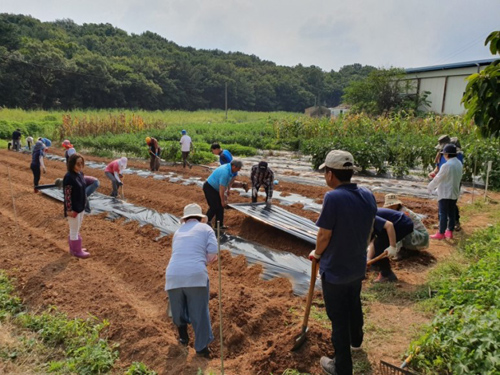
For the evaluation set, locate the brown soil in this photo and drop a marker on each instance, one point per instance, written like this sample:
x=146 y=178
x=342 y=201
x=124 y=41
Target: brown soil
x=123 y=281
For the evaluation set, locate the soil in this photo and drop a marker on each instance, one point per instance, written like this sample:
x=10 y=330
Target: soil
x=123 y=281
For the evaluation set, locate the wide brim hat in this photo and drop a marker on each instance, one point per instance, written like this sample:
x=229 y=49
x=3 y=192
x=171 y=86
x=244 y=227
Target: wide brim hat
x=67 y=144
x=391 y=200
x=192 y=210
x=442 y=141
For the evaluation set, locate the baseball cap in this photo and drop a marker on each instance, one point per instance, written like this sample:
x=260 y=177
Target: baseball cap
x=450 y=148
x=338 y=159
x=183 y=132
x=263 y=165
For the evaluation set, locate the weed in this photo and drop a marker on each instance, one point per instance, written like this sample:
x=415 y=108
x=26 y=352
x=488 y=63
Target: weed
x=139 y=368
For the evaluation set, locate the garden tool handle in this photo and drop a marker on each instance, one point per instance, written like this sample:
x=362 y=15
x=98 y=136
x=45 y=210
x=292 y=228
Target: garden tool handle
x=376 y=259
x=312 y=284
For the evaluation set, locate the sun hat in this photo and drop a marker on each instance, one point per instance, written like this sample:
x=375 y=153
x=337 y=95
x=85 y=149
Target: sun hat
x=263 y=165
x=183 y=132
x=67 y=144
x=338 y=159
x=47 y=142
x=442 y=140
x=71 y=151
x=122 y=162
x=456 y=142
x=192 y=210
x=450 y=148
x=148 y=139
x=391 y=200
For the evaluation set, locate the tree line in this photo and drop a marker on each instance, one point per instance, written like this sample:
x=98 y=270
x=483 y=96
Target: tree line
x=62 y=65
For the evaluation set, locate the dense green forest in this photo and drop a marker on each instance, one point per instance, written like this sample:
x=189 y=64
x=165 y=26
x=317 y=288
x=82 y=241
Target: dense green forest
x=62 y=65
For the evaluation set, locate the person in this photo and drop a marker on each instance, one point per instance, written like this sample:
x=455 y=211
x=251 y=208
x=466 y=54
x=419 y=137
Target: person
x=69 y=149
x=154 y=154
x=186 y=146
x=74 y=203
x=262 y=175
x=389 y=228
x=186 y=278
x=114 y=171
x=345 y=224
x=16 y=139
x=447 y=184
x=91 y=185
x=439 y=160
x=419 y=238
x=225 y=156
x=29 y=142
x=37 y=157
x=215 y=189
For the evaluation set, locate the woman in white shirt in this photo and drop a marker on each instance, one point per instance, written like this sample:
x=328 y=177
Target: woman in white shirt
x=193 y=246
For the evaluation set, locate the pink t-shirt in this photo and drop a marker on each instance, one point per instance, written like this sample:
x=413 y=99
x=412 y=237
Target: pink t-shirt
x=113 y=167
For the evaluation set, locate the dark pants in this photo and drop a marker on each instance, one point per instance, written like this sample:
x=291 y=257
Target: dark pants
x=343 y=307
x=255 y=191
x=16 y=144
x=154 y=163
x=382 y=242
x=215 y=207
x=185 y=155
x=447 y=214
x=36 y=174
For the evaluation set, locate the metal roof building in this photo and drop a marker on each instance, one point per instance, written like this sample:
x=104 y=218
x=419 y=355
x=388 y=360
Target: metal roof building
x=446 y=84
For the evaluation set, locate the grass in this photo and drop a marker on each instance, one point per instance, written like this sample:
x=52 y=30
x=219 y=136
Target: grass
x=53 y=342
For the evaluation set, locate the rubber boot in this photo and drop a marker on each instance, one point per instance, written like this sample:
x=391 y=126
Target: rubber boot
x=77 y=249
x=183 y=335
x=70 y=246
x=80 y=239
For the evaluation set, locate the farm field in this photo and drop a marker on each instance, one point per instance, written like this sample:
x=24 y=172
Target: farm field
x=123 y=281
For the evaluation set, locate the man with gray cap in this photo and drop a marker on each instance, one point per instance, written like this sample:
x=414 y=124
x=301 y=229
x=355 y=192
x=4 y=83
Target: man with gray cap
x=345 y=225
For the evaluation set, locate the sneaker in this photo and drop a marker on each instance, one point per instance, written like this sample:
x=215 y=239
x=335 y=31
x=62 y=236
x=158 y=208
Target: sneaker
x=448 y=234
x=386 y=279
x=458 y=228
x=183 y=335
x=328 y=365
x=204 y=352
x=438 y=236
x=224 y=227
x=356 y=348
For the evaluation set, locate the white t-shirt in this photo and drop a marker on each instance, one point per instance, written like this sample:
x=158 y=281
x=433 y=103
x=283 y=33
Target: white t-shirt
x=185 y=143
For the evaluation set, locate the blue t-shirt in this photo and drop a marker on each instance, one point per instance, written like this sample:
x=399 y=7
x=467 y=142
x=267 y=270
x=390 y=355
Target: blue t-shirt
x=348 y=211
x=225 y=157
x=221 y=176
x=402 y=223
x=442 y=160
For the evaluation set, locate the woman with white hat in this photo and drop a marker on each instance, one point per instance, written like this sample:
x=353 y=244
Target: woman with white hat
x=419 y=238
x=114 y=171
x=193 y=246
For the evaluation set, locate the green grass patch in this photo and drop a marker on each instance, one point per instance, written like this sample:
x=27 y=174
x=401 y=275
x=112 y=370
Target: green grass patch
x=53 y=342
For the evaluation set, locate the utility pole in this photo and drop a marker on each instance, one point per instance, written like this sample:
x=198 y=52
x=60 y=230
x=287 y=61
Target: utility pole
x=226 y=100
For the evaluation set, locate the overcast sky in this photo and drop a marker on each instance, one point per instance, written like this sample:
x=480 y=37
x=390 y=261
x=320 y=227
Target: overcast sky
x=324 y=33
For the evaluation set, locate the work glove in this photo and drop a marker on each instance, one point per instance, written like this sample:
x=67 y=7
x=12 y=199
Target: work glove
x=392 y=251
x=120 y=183
x=254 y=192
x=44 y=170
x=269 y=202
x=313 y=255
x=120 y=175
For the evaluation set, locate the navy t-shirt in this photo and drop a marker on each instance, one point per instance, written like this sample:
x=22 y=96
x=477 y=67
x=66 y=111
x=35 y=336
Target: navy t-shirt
x=402 y=223
x=348 y=211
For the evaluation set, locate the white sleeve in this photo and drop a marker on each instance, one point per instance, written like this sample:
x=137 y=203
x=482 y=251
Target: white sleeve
x=117 y=176
x=41 y=162
x=443 y=172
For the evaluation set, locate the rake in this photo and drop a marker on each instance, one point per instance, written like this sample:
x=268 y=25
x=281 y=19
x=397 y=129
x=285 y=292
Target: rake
x=388 y=369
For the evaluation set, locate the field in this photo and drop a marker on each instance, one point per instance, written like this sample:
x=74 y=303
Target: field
x=122 y=283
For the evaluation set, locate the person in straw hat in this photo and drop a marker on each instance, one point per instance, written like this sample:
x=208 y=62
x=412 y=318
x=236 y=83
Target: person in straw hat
x=193 y=246
x=419 y=238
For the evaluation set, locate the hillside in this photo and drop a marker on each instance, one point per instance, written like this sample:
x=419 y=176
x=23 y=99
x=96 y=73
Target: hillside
x=62 y=65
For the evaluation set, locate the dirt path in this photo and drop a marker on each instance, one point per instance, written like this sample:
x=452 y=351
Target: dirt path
x=123 y=281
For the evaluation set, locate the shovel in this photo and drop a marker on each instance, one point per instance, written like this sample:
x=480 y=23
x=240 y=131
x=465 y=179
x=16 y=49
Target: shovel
x=301 y=338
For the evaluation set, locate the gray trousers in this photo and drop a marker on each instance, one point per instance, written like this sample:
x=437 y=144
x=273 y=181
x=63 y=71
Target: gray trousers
x=190 y=305
x=114 y=183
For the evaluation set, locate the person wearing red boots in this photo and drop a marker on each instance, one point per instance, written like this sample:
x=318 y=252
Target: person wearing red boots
x=447 y=185
x=74 y=203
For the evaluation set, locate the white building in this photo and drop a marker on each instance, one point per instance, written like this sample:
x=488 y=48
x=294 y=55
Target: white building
x=446 y=84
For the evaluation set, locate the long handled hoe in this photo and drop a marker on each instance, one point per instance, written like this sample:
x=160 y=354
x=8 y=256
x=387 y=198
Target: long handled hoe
x=220 y=300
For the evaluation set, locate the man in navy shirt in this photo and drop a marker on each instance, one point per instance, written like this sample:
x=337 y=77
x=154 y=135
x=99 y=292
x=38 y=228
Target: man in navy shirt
x=345 y=225
x=390 y=227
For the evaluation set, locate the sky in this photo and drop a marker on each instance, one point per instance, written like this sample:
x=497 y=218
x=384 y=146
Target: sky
x=324 y=33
